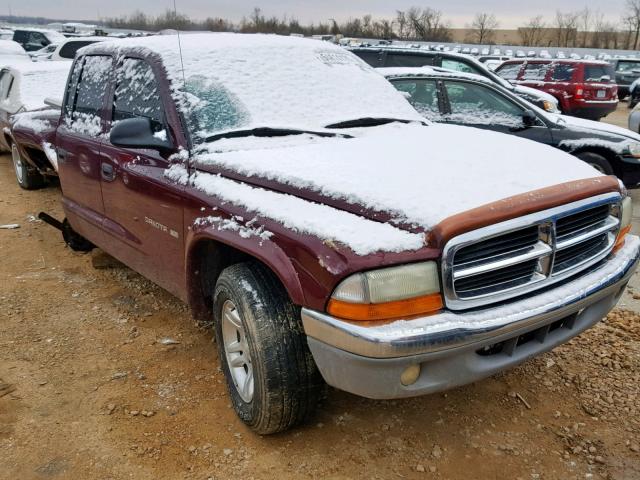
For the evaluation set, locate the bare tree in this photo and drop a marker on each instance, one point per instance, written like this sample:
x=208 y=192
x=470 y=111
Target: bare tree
x=633 y=20
x=532 y=33
x=428 y=24
x=401 y=23
x=483 y=28
x=566 y=28
x=585 y=25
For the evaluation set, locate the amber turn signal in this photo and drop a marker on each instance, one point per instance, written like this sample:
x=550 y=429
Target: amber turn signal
x=620 y=238
x=424 y=305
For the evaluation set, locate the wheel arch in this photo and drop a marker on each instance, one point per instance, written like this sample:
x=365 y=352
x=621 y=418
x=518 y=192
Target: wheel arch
x=608 y=154
x=209 y=252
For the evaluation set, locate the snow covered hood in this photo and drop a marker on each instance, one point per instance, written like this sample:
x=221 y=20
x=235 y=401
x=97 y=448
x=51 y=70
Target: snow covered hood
x=418 y=174
x=267 y=80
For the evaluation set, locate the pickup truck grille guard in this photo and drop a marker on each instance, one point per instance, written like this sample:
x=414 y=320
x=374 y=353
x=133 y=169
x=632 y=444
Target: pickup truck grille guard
x=518 y=256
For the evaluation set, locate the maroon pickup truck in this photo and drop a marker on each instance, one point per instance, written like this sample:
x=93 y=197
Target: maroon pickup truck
x=284 y=189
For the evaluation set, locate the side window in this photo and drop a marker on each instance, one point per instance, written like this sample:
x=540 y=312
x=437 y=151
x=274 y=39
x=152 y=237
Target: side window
x=509 y=71
x=69 y=49
x=475 y=104
x=371 y=57
x=137 y=94
x=535 y=71
x=459 y=66
x=88 y=86
x=562 y=73
x=6 y=82
x=422 y=94
x=407 y=60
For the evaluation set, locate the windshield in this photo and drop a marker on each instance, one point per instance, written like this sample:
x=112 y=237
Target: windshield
x=244 y=82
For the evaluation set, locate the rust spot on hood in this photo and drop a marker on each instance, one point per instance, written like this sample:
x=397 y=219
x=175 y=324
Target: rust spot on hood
x=518 y=206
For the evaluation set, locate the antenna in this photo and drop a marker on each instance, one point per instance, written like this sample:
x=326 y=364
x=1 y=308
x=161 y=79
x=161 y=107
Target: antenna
x=184 y=80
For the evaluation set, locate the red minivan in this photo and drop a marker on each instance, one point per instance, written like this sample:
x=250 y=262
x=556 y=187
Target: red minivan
x=583 y=88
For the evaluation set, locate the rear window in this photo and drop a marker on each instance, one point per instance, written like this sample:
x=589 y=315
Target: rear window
x=509 y=71
x=373 y=58
x=628 y=66
x=407 y=60
x=68 y=50
x=535 y=71
x=563 y=72
x=594 y=73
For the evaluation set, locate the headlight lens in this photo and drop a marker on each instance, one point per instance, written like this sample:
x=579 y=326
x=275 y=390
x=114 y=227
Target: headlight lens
x=634 y=149
x=388 y=293
x=549 y=106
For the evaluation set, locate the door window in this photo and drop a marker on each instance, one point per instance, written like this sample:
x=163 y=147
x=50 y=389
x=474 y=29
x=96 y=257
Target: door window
x=474 y=104
x=563 y=72
x=509 y=71
x=137 y=94
x=459 y=66
x=422 y=94
x=407 y=60
x=87 y=88
x=535 y=71
x=6 y=82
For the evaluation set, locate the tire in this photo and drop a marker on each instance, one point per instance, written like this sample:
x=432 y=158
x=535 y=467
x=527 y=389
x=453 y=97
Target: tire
x=597 y=161
x=632 y=101
x=27 y=177
x=254 y=315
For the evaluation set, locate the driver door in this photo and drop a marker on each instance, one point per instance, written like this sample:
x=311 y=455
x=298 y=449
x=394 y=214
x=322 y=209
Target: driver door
x=478 y=105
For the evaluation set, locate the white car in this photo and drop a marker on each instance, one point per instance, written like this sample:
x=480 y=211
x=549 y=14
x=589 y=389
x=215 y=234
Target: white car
x=12 y=52
x=26 y=87
x=65 y=50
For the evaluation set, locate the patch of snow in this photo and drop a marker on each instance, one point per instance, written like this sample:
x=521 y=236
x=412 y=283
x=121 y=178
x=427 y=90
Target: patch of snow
x=177 y=173
x=248 y=288
x=617 y=147
x=235 y=224
x=50 y=152
x=27 y=120
x=361 y=235
x=419 y=174
x=590 y=125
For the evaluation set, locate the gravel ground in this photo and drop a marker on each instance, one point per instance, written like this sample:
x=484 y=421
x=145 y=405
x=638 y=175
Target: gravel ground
x=88 y=389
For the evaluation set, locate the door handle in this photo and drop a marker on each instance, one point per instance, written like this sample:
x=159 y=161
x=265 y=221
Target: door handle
x=108 y=172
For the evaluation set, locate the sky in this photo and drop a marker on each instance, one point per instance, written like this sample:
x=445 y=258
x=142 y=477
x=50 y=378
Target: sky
x=510 y=13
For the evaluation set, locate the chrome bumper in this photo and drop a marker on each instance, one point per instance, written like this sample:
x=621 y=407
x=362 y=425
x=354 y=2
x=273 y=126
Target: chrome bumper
x=368 y=360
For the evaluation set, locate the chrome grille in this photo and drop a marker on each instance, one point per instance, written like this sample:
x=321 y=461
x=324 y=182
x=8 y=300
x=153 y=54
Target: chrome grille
x=513 y=258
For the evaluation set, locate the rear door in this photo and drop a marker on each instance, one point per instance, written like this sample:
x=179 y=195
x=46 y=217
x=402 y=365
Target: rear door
x=481 y=106
x=143 y=209
x=78 y=140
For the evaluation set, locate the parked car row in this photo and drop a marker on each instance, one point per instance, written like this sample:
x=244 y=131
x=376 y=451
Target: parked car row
x=330 y=232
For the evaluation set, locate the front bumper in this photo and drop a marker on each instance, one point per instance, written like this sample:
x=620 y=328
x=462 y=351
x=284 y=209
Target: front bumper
x=456 y=348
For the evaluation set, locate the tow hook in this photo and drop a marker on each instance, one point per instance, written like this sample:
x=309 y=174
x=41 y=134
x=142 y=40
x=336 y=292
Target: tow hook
x=73 y=239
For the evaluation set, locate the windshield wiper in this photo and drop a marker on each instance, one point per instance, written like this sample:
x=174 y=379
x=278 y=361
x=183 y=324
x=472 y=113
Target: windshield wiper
x=365 y=122
x=270 y=132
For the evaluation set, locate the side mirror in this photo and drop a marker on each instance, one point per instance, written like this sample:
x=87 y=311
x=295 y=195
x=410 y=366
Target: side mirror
x=529 y=118
x=137 y=133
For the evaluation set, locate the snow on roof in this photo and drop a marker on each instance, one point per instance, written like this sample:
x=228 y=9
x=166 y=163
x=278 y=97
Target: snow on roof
x=40 y=80
x=9 y=47
x=269 y=80
x=419 y=174
x=390 y=72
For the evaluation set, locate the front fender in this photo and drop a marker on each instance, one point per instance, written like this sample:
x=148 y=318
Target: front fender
x=262 y=248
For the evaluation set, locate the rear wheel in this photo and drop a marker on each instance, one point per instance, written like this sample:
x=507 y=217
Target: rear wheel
x=27 y=177
x=597 y=161
x=633 y=101
x=273 y=381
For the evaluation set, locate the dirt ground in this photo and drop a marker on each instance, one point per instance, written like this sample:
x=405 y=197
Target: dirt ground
x=89 y=390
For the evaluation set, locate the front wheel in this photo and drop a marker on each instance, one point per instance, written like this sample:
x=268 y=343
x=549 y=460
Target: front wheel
x=596 y=161
x=27 y=177
x=273 y=381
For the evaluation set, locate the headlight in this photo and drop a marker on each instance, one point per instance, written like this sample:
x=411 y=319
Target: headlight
x=626 y=214
x=549 y=106
x=634 y=149
x=388 y=293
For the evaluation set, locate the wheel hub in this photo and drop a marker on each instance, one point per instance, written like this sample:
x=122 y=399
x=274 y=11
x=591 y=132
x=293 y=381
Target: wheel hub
x=236 y=350
x=17 y=163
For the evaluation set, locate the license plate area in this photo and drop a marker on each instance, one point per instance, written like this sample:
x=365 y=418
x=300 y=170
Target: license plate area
x=601 y=94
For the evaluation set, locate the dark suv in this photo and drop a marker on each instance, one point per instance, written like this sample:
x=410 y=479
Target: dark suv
x=627 y=71
x=583 y=88
x=415 y=57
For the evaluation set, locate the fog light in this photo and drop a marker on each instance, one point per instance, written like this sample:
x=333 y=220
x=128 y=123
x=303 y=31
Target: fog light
x=410 y=375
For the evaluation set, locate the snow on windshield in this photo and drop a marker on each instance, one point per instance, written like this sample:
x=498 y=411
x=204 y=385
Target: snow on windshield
x=238 y=81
